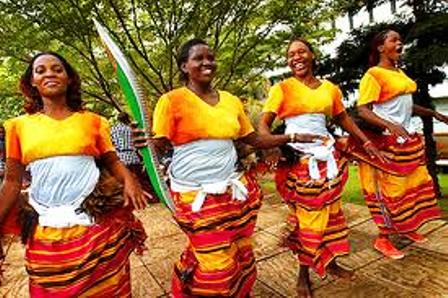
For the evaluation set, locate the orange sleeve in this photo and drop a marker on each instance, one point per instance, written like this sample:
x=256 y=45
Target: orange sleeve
x=338 y=105
x=274 y=100
x=162 y=118
x=104 y=139
x=245 y=124
x=12 y=141
x=369 y=90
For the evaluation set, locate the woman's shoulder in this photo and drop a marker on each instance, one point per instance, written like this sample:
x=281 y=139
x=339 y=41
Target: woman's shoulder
x=226 y=94
x=285 y=82
x=332 y=87
x=373 y=73
x=181 y=91
x=284 y=86
x=330 y=84
x=174 y=97
x=87 y=116
x=378 y=71
x=20 y=119
x=229 y=97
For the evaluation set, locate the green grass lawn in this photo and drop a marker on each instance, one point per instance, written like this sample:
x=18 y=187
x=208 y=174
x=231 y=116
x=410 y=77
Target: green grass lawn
x=352 y=192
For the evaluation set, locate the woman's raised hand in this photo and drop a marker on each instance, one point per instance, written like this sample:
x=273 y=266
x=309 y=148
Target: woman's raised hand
x=139 y=138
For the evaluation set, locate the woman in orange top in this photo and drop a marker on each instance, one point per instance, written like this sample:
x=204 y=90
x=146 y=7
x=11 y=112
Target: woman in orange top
x=399 y=194
x=216 y=204
x=312 y=183
x=69 y=253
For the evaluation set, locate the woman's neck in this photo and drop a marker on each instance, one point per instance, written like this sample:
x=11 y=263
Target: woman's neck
x=309 y=80
x=387 y=63
x=200 y=89
x=56 y=107
x=204 y=91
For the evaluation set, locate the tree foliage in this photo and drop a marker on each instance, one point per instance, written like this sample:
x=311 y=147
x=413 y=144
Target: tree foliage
x=248 y=36
x=425 y=35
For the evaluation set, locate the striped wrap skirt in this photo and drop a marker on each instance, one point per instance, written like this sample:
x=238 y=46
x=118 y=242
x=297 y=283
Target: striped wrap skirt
x=218 y=260
x=316 y=229
x=400 y=194
x=84 y=261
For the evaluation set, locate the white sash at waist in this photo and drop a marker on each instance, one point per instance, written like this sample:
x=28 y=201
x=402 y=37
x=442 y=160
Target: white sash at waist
x=62 y=216
x=59 y=185
x=314 y=123
x=239 y=190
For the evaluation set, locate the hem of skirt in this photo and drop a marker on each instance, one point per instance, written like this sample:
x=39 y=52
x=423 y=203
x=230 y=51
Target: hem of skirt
x=389 y=231
x=322 y=273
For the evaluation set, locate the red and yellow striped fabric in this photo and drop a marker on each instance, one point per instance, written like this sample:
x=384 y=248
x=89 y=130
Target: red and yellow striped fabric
x=84 y=261
x=295 y=186
x=316 y=227
x=399 y=194
x=317 y=230
x=219 y=259
x=402 y=158
x=317 y=237
x=402 y=200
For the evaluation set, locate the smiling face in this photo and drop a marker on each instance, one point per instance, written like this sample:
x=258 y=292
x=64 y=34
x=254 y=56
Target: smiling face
x=49 y=76
x=300 y=59
x=392 y=48
x=200 y=66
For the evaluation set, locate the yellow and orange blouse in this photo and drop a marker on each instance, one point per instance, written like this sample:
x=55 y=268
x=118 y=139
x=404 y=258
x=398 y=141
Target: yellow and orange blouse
x=36 y=136
x=379 y=85
x=292 y=98
x=182 y=117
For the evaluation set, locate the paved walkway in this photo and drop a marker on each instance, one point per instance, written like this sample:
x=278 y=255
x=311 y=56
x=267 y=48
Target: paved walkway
x=422 y=273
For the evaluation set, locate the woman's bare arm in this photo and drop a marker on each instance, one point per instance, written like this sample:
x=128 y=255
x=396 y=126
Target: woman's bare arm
x=366 y=113
x=264 y=139
x=12 y=184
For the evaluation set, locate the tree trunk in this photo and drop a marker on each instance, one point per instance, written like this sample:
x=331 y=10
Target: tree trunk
x=424 y=99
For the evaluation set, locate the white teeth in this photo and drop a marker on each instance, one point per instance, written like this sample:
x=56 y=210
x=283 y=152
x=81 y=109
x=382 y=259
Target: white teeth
x=51 y=83
x=299 y=66
x=207 y=71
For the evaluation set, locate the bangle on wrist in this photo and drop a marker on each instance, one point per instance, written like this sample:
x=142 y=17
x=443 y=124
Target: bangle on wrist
x=292 y=137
